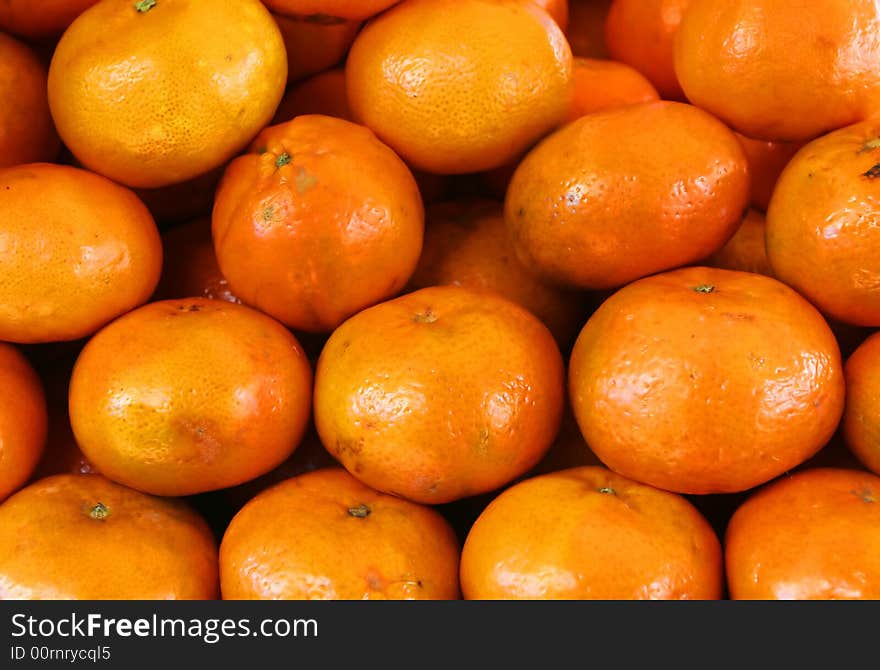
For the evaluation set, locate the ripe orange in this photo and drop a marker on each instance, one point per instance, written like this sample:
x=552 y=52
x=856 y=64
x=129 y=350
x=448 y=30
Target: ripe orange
x=625 y=193
x=746 y=250
x=813 y=535
x=323 y=93
x=459 y=86
x=46 y=18
x=822 y=233
x=83 y=537
x=589 y=534
x=586 y=27
x=76 y=250
x=182 y=202
x=467 y=244
x=762 y=65
x=326 y=536
x=861 y=418
x=606 y=84
x=440 y=394
x=766 y=159
x=329 y=11
x=154 y=93
x=702 y=380
x=23 y=419
x=184 y=396
x=641 y=33
x=313 y=45
x=190 y=269
x=319 y=220
x=27 y=134
x=557 y=9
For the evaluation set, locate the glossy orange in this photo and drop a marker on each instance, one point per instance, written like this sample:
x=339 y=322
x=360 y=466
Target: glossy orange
x=746 y=250
x=46 y=18
x=702 y=380
x=814 y=535
x=83 y=537
x=589 y=534
x=861 y=418
x=761 y=65
x=822 y=237
x=185 y=396
x=621 y=194
x=326 y=536
x=606 y=84
x=314 y=45
x=318 y=221
x=140 y=94
x=76 y=250
x=443 y=393
x=23 y=419
x=434 y=79
x=27 y=134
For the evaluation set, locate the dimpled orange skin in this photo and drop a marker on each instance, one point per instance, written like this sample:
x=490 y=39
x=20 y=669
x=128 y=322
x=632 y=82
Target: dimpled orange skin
x=761 y=65
x=822 y=232
x=156 y=97
x=37 y=20
x=190 y=268
x=466 y=244
x=313 y=46
x=323 y=93
x=606 y=84
x=702 y=380
x=326 y=536
x=318 y=221
x=185 y=396
x=621 y=194
x=641 y=33
x=585 y=31
x=766 y=162
x=861 y=418
x=330 y=11
x=589 y=534
x=23 y=419
x=27 y=134
x=813 y=535
x=746 y=250
x=460 y=86
x=76 y=250
x=84 y=537
x=443 y=393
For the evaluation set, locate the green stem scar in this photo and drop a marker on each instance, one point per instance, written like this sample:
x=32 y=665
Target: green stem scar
x=427 y=316
x=282 y=160
x=873 y=173
x=99 y=512
x=870 y=145
x=704 y=288
x=361 y=511
x=144 y=6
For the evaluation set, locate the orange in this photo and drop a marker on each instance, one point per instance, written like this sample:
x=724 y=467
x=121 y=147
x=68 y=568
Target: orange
x=589 y=534
x=182 y=202
x=27 y=134
x=184 y=396
x=316 y=222
x=313 y=45
x=23 y=419
x=746 y=250
x=621 y=194
x=861 y=418
x=153 y=93
x=329 y=11
x=76 y=250
x=190 y=269
x=766 y=162
x=440 y=394
x=702 y=380
x=467 y=244
x=557 y=9
x=641 y=33
x=323 y=93
x=83 y=537
x=45 y=18
x=458 y=86
x=569 y=450
x=822 y=233
x=586 y=27
x=326 y=536
x=606 y=84
x=762 y=65
x=814 y=535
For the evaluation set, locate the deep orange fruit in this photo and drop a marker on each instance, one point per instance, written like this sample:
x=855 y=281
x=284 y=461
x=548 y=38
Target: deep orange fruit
x=586 y=27
x=323 y=93
x=606 y=84
x=746 y=250
x=46 y=18
x=861 y=418
x=330 y=11
x=766 y=159
x=314 y=45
